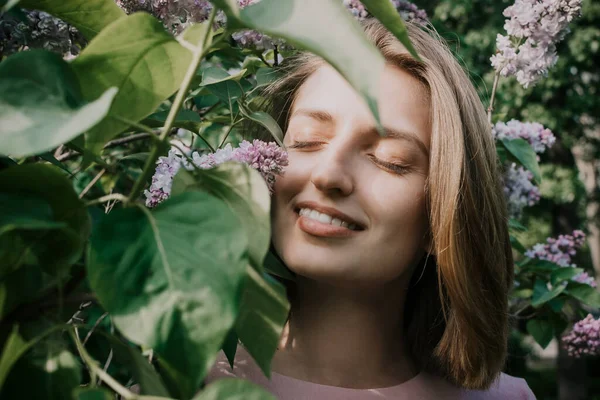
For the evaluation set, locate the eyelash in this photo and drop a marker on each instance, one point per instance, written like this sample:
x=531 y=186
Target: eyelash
x=395 y=168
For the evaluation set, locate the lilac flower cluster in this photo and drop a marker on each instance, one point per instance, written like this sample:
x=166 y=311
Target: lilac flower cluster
x=407 y=10
x=267 y=158
x=539 y=138
x=533 y=27
x=560 y=251
x=519 y=190
x=39 y=30
x=584 y=338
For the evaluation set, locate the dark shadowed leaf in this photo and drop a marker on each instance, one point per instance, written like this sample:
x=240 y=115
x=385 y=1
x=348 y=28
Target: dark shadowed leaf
x=584 y=293
x=92 y=394
x=541 y=330
x=57 y=248
x=262 y=317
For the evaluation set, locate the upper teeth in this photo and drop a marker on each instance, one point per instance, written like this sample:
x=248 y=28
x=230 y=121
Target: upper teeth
x=326 y=219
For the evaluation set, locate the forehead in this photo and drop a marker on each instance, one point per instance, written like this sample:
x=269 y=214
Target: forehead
x=403 y=102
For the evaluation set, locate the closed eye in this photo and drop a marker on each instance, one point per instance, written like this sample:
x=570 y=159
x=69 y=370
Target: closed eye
x=303 y=145
x=395 y=168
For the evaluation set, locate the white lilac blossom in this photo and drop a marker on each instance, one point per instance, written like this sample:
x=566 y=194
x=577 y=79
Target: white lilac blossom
x=560 y=251
x=584 y=338
x=533 y=28
x=519 y=190
x=539 y=138
x=267 y=158
x=39 y=30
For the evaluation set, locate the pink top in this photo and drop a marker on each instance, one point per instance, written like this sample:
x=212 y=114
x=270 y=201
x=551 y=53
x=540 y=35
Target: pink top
x=422 y=387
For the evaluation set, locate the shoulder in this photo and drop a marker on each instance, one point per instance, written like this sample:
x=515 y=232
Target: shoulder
x=505 y=387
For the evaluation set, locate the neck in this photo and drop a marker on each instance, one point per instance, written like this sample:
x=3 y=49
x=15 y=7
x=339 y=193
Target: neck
x=347 y=337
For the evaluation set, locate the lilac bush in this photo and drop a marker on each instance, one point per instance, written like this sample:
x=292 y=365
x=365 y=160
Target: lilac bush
x=539 y=138
x=533 y=28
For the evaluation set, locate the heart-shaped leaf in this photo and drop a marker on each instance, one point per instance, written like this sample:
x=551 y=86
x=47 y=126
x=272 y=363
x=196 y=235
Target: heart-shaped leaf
x=171 y=278
x=243 y=190
x=89 y=16
x=308 y=25
x=541 y=330
x=136 y=55
x=41 y=105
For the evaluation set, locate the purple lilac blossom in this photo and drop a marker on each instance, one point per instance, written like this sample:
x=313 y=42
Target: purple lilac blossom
x=539 y=138
x=584 y=338
x=407 y=10
x=39 y=30
x=519 y=190
x=267 y=158
x=560 y=251
x=533 y=28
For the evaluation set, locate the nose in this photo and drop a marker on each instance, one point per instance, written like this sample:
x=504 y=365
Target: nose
x=332 y=173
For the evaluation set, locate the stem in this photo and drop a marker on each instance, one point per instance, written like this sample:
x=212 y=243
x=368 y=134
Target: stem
x=275 y=56
x=206 y=142
x=491 y=106
x=92 y=183
x=98 y=321
x=183 y=88
x=96 y=370
x=108 y=197
x=227 y=134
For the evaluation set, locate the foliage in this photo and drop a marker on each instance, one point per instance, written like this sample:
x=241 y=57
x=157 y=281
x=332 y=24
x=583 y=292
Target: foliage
x=154 y=293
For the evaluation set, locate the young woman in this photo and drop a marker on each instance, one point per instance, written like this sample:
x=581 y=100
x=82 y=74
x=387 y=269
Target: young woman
x=399 y=243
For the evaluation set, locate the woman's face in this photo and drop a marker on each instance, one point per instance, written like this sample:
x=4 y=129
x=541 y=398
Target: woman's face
x=350 y=207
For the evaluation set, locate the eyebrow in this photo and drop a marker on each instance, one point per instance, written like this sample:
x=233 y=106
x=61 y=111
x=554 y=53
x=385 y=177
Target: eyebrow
x=326 y=117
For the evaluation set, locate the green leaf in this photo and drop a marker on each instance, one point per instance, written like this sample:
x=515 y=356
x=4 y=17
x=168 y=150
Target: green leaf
x=233 y=389
x=541 y=330
x=213 y=75
x=141 y=370
x=538 y=300
x=387 y=14
x=522 y=293
x=229 y=346
x=15 y=347
x=41 y=105
x=89 y=16
x=171 y=278
x=136 y=55
x=556 y=305
x=310 y=26
x=537 y=265
x=275 y=266
x=265 y=120
x=516 y=225
x=92 y=394
x=57 y=248
x=517 y=245
x=524 y=153
x=244 y=191
x=20 y=286
x=263 y=314
x=182 y=115
x=564 y=274
x=265 y=76
x=584 y=293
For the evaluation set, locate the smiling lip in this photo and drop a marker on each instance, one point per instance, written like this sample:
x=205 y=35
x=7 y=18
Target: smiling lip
x=317 y=228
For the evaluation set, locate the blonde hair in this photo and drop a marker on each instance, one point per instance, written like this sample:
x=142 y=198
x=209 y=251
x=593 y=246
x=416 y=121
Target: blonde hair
x=456 y=311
